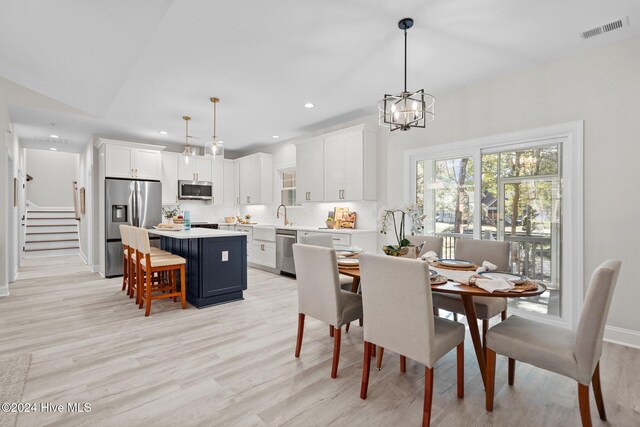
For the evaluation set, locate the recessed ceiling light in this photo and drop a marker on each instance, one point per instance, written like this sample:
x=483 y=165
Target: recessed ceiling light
x=53 y=149
x=275 y=136
x=54 y=136
x=163 y=132
x=309 y=105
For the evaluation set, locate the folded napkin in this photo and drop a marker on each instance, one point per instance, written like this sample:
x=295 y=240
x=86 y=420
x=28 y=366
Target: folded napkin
x=491 y=285
x=430 y=256
x=486 y=266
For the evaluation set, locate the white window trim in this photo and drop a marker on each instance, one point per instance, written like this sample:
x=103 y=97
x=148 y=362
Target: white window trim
x=571 y=136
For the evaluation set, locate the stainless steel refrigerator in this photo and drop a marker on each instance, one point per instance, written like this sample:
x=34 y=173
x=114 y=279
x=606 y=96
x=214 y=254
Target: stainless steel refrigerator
x=137 y=203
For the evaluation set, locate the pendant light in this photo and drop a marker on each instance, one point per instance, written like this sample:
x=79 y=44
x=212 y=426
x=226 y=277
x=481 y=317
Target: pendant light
x=188 y=152
x=408 y=109
x=215 y=147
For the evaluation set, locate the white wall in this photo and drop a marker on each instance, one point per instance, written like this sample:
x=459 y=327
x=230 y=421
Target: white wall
x=4 y=141
x=53 y=173
x=85 y=180
x=601 y=87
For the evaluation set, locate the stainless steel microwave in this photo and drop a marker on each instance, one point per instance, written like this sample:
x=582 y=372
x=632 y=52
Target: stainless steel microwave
x=195 y=190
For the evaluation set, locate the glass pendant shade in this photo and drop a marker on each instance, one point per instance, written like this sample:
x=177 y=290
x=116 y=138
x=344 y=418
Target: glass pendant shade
x=188 y=152
x=215 y=147
x=408 y=109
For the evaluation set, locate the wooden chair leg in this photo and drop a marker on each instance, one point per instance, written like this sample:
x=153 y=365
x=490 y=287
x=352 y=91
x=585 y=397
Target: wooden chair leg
x=300 y=333
x=139 y=287
x=366 y=368
x=503 y=315
x=331 y=331
x=171 y=278
x=403 y=364
x=512 y=371
x=336 y=352
x=583 y=401
x=147 y=311
x=485 y=329
x=379 y=361
x=125 y=271
x=132 y=279
x=359 y=322
x=428 y=396
x=597 y=391
x=373 y=350
x=455 y=317
x=346 y=328
x=490 y=378
x=183 y=286
x=460 y=370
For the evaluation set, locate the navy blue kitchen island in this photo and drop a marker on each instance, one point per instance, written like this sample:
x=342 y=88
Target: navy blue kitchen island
x=216 y=269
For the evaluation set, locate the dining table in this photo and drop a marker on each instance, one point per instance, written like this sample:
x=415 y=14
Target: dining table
x=466 y=293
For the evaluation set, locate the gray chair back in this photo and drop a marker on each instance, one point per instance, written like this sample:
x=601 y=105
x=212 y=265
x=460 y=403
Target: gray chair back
x=397 y=306
x=431 y=243
x=588 y=348
x=325 y=240
x=318 y=283
x=478 y=251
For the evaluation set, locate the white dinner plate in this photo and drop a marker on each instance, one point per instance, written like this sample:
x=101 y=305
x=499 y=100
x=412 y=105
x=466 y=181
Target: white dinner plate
x=455 y=262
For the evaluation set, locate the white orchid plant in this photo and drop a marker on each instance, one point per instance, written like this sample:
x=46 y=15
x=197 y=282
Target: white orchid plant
x=397 y=218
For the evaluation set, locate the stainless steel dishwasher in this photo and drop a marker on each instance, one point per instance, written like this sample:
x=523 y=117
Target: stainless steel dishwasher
x=284 y=251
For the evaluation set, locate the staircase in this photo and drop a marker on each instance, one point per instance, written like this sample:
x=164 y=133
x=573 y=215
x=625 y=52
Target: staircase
x=51 y=232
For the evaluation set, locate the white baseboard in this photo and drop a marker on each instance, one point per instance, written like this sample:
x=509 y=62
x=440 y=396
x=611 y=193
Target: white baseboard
x=4 y=291
x=84 y=258
x=95 y=268
x=622 y=336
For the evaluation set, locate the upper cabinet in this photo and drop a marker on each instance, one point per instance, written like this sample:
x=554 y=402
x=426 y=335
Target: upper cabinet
x=256 y=179
x=339 y=166
x=131 y=160
x=231 y=183
x=199 y=168
x=309 y=171
x=169 y=178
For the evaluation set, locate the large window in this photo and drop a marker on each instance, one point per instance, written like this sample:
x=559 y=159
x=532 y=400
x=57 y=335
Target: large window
x=508 y=192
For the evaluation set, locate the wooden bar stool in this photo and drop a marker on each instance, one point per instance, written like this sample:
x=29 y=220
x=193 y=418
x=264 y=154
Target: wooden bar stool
x=129 y=241
x=148 y=265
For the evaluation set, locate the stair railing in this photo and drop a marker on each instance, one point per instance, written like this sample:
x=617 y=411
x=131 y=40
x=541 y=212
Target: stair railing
x=76 y=210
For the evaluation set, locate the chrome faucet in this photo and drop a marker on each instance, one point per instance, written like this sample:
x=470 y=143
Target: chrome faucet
x=286 y=221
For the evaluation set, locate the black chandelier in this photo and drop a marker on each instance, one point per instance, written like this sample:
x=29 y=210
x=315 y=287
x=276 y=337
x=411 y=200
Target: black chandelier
x=408 y=109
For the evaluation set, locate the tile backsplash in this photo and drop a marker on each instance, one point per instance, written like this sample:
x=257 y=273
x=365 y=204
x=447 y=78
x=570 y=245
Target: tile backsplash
x=308 y=214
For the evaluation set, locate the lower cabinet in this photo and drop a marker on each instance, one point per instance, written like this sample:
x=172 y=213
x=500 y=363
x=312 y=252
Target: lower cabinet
x=263 y=253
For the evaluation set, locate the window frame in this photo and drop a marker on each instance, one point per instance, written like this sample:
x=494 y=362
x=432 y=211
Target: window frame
x=570 y=136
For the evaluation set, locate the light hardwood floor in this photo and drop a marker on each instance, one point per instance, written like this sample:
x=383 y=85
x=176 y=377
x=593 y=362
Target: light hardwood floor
x=233 y=364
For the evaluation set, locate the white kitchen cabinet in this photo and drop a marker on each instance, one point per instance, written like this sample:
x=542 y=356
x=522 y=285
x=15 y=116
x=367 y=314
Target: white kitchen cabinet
x=263 y=253
x=131 y=160
x=231 y=183
x=350 y=165
x=309 y=171
x=249 y=231
x=256 y=179
x=217 y=177
x=366 y=240
x=199 y=168
x=169 y=178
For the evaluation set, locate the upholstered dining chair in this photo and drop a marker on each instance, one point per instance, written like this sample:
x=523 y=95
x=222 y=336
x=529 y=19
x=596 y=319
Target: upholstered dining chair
x=398 y=313
x=326 y=241
x=574 y=354
x=429 y=243
x=478 y=251
x=320 y=296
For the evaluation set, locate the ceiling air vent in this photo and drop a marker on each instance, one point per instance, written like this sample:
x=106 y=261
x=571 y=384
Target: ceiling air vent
x=615 y=25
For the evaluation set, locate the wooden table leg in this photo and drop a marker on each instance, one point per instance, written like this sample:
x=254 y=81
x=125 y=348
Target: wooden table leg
x=472 y=320
x=355 y=284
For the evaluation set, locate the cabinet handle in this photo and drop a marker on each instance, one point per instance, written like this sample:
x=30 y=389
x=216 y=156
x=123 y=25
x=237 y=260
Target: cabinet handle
x=131 y=172
x=238 y=200
x=248 y=199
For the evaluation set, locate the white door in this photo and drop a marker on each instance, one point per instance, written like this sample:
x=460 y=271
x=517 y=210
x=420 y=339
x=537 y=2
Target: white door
x=148 y=164
x=333 y=168
x=169 y=179
x=119 y=161
x=186 y=168
x=353 y=185
x=310 y=172
x=217 y=177
x=231 y=195
x=203 y=168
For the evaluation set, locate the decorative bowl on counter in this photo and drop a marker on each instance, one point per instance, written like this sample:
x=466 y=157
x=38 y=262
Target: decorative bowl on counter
x=229 y=219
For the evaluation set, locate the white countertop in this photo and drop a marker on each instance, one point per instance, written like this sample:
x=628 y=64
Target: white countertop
x=313 y=229
x=196 y=233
